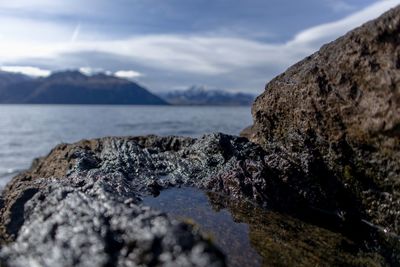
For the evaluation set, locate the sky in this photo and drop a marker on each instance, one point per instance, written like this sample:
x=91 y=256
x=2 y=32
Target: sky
x=236 y=45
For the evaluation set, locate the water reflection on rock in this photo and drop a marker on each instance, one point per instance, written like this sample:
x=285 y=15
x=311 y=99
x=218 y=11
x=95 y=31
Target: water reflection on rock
x=251 y=236
x=193 y=206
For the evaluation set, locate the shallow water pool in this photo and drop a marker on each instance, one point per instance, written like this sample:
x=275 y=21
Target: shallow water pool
x=251 y=236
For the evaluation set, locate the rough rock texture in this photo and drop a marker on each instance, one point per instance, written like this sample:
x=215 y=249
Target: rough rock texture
x=83 y=196
x=217 y=162
x=336 y=115
x=141 y=165
x=67 y=226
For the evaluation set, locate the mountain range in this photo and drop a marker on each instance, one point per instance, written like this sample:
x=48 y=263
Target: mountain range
x=73 y=87
x=199 y=95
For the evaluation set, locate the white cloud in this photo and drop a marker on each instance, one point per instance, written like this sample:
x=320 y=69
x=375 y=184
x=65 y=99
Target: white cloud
x=128 y=74
x=49 y=6
x=320 y=34
x=339 y=5
x=90 y=71
x=28 y=3
x=31 y=31
x=214 y=56
x=205 y=55
x=27 y=70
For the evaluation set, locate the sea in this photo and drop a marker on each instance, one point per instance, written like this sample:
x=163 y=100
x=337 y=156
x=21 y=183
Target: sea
x=31 y=131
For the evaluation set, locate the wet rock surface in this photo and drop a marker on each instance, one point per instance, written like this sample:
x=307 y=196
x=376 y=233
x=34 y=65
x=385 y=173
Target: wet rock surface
x=135 y=166
x=283 y=240
x=251 y=236
x=84 y=199
x=336 y=115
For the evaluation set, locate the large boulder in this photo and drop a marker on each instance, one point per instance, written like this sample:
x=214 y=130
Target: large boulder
x=336 y=115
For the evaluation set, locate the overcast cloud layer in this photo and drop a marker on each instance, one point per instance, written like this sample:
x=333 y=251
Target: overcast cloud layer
x=170 y=44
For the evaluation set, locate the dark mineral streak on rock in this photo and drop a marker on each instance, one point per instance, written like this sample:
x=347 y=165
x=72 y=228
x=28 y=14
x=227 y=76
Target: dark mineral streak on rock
x=336 y=115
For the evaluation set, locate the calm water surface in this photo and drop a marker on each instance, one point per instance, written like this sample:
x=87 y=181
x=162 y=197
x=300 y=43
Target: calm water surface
x=192 y=205
x=253 y=237
x=29 y=131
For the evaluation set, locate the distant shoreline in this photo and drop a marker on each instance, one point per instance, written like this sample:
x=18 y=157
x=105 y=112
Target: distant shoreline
x=100 y=104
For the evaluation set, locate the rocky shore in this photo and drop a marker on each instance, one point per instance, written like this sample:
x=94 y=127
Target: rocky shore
x=323 y=153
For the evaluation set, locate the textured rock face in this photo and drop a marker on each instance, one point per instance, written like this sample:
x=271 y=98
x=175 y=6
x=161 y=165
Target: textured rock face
x=66 y=226
x=81 y=202
x=142 y=165
x=336 y=115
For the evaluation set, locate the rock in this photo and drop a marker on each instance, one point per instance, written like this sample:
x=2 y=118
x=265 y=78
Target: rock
x=216 y=162
x=92 y=226
x=80 y=203
x=81 y=197
x=284 y=240
x=148 y=164
x=247 y=132
x=336 y=115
